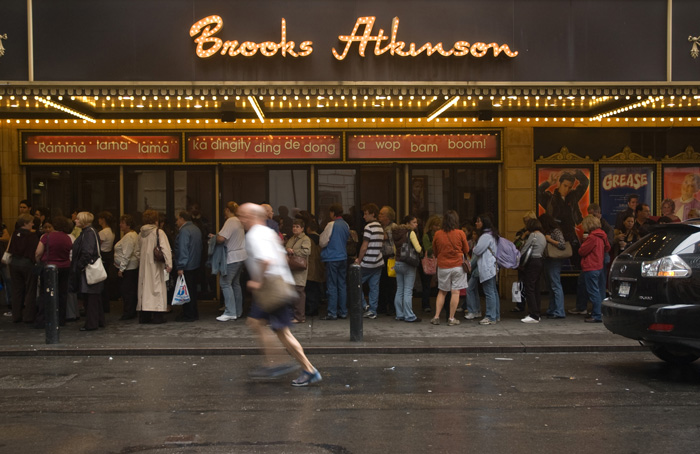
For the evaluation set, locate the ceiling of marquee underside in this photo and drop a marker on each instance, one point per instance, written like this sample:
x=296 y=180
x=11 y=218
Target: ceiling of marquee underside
x=298 y=102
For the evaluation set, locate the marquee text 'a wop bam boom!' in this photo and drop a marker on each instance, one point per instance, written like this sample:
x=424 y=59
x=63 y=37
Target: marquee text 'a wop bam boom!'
x=204 y=31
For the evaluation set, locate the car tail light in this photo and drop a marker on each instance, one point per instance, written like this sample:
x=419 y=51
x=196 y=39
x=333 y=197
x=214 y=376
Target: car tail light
x=661 y=327
x=671 y=266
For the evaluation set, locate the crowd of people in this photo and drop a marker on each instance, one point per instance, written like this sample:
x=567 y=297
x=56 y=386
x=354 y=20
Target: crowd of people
x=460 y=259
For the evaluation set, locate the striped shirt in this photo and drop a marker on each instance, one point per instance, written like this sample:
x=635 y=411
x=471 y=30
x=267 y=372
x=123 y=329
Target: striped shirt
x=374 y=237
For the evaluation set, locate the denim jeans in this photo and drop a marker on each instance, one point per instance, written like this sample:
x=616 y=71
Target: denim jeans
x=336 y=274
x=371 y=276
x=231 y=288
x=493 y=302
x=405 y=277
x=582 y=293
x=473 y=300
x=556 y=293
x=592 y=281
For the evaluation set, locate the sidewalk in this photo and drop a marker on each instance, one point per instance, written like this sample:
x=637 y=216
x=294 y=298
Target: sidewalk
x=383 y=335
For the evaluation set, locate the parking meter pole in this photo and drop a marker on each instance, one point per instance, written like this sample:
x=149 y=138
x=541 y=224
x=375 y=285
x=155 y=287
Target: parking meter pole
x=355 y=302
x=49 y=292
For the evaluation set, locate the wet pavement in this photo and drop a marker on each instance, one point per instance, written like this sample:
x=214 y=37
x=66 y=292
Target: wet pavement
x=383 y=335
x=378 y=403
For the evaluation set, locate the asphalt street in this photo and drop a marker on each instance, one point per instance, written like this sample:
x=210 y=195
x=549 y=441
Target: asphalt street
x=627 y=402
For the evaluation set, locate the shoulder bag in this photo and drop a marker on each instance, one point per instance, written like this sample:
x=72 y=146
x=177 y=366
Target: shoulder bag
x=554 y=252
x=95 y=272
x=297 y=262
x=158 y=255
x=408 y=254
x=274 y=293
x=6 y=256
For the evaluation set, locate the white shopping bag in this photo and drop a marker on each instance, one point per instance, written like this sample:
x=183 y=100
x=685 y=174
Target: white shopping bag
x=517 y=292
x=181 y=295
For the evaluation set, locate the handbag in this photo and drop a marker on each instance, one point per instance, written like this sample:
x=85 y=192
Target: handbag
x=391 y=267
x=95 y=272
x=408 y=254
x=554 y=252
x=516 y=294
x=467 y=266
x=158 y=255
x=429 y=265
x=297 y=262
x=6 y=256
x=274 y=293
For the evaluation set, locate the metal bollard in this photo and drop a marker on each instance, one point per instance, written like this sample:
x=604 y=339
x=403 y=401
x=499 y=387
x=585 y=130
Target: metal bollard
x=355 y=302
x=49 y=292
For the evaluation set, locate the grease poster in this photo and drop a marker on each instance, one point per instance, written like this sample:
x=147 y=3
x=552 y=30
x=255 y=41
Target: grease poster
x=617 y=183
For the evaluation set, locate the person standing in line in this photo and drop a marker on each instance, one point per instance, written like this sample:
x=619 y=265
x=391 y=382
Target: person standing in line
x=334 y=254
x=233 y=236
x=387 y=285
x=104 y=219
x=126 y=261
x=267 y=259
x=188 y=258
x=405 y=272
x=86 y=250
x=299 y=245
x=592 y=276
x=642 y=222
x=432 y=225
x=370 y=258
x=552 y=266
x=54 y=248
x=22 y=247
x=153 y=293
x=451 y=249
x=485 y=251
x=668 y=209
x=270 y=219
x=316 y=274
x=533 y=270
x=5 y=270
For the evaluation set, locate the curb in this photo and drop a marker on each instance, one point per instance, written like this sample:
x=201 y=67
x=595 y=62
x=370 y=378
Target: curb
x=236 y=351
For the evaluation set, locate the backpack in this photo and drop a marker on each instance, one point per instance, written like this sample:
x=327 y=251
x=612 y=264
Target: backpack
x=507 y=255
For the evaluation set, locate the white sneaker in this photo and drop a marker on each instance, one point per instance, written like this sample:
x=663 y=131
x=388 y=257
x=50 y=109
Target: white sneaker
x=529 y=319
x=471 y=316
x=226 y=318
x=487 y=321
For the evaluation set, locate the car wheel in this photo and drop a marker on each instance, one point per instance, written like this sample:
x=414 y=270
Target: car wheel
x=673 y=356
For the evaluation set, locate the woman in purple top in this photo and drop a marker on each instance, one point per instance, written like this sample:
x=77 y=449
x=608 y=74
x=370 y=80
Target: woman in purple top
x=54 y=248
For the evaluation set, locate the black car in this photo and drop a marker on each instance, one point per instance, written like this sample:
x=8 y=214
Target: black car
x=655 y=292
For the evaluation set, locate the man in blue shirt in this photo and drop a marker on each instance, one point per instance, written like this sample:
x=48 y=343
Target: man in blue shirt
x=188 y=254
x=334 y=254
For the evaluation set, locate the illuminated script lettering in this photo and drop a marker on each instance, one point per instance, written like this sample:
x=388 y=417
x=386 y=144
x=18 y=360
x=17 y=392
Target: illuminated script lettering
x=208 y=44
x=402 y=49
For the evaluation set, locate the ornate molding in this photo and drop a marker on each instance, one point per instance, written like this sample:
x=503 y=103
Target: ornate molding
x=626 y=155
x=564 y=156
x=695 y=50
x=2 y=49
x=688 y=155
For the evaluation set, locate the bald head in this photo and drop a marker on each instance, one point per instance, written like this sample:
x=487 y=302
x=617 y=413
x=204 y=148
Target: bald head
x=251 y=214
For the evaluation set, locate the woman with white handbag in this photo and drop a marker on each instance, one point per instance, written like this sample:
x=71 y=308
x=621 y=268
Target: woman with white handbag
x=85 y=274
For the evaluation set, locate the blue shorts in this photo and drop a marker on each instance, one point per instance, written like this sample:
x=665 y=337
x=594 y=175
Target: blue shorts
x=278 y=320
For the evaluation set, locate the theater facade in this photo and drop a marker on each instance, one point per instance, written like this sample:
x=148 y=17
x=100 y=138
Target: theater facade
x=475 y=105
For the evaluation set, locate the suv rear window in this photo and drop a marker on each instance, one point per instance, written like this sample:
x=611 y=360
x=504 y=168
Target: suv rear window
x=661 y=242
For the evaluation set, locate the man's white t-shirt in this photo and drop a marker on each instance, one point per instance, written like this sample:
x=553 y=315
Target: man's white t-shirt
x=263 y=244
x=235 y=240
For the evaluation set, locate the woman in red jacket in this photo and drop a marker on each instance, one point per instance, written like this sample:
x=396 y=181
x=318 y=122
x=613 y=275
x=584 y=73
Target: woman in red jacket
x=592 y=253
